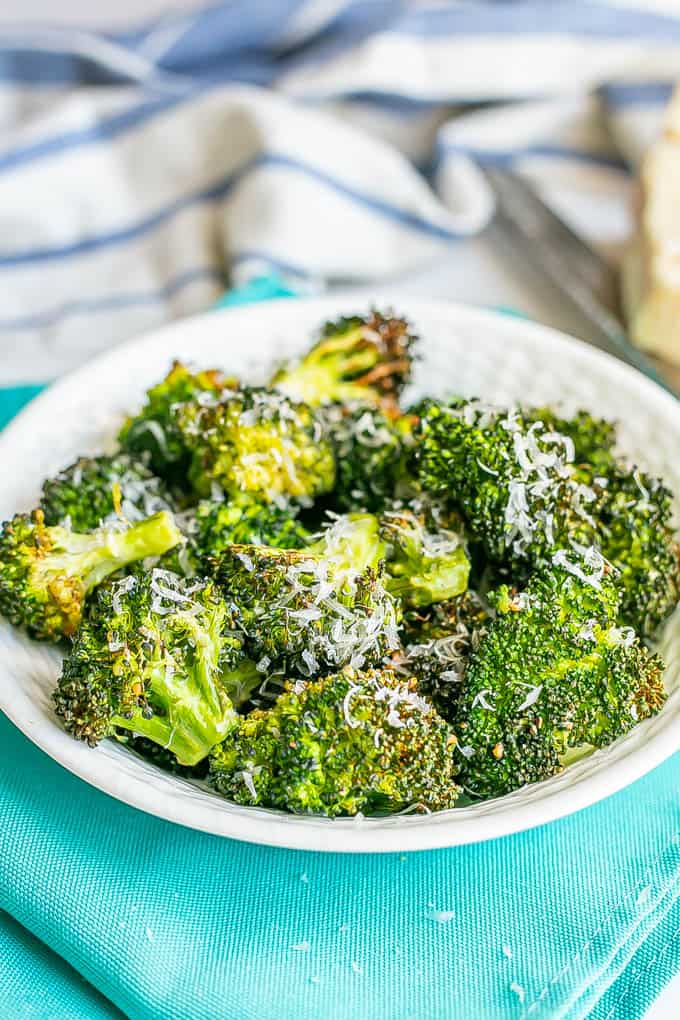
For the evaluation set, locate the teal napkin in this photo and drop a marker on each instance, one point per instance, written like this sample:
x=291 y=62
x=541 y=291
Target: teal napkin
x=580 y=918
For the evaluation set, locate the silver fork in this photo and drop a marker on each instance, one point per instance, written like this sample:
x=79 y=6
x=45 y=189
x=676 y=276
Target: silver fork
x=565 y=260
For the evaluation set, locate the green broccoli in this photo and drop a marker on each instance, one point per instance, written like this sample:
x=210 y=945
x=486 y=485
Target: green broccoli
x=514 y=480
x=258 y=444
x=214 y=525
x=553 y=673
x=357 y=359
x=159 y=657
x=424 y=565
x=372 y=451
x=594 y=438
x=161 y=757
x=347 y=743
x=318 y=608
x=636 y=537
x=437 y=644
x=93 y=489
x=46 y=572
x=154 y=431
x=524 y=496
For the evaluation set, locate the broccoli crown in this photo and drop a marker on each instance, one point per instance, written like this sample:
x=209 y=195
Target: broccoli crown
x=554 y=672
x=234 y=522
x=594 y=438
x=423 y=565
x=438 y=643
x=364 y=359
x=347 y=743
x=524 y=495
x=94 y=489
x=371 y=450
x=257 y=443
x=636 y=536
x=313 y=609
x=46 y=571
x=213 y=525
x=160 y=657
x=514 y=479
x=154 y=431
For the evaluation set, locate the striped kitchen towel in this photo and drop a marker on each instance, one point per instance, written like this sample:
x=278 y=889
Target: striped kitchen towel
x=140 y=171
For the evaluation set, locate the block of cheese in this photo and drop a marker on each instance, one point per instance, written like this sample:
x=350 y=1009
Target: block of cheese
x=651 y=269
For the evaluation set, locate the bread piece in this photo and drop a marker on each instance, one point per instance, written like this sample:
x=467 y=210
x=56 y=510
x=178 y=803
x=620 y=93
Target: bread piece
x=651 y=269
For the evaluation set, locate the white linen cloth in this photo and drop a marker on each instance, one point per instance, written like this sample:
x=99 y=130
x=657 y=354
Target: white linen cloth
x=141 y=174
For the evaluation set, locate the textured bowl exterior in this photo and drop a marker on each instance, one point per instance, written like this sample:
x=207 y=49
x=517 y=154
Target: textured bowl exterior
x=464 y=351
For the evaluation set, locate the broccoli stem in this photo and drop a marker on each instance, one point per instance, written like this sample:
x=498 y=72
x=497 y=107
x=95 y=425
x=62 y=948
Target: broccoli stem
x=151 y=537
x=190 y=729
x=192 y=716
x=92 y=557
x=420 y=586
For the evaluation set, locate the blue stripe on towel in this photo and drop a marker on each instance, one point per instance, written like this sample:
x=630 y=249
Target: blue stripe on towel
x=216 y=192
x=535 y=17
x=506 y=157
x=110 y=303
x=645 y=93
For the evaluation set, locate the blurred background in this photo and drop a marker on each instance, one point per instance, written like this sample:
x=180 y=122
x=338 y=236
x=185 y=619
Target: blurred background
x=125 y=131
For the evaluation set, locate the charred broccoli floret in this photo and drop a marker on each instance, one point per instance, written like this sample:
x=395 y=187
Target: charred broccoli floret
x=553 y=673
x=93 y=489
x=154 y=431
x=423 y=565
x=636 y=536
x=372 y=451
x=314 y=609
x=46 y=571
x=259 y=444
x=514 y=480
x=348 y=743
x=357 y=359
x=437 y=644
x=159 y=657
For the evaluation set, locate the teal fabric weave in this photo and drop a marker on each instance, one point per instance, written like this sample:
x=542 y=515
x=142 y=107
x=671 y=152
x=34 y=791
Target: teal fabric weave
x=172 y=924
x=578 y=919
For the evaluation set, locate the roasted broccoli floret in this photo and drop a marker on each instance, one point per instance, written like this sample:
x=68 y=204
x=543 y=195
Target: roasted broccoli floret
x=514 y=480
x=259 y=444
x=437 y=644
x=159 y=657
x=358 y=359
x=93 y=489
x=594 y=438
x=154 y=431
x=46 y=571
x=314 y=609
x=424 y=565
x=636 y=536
x=348 y=743
x=372 y=451
x=214 y=525
x=553 y=673
x=524 y=495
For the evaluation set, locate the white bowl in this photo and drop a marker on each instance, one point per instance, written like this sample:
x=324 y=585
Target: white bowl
x=464 y=351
